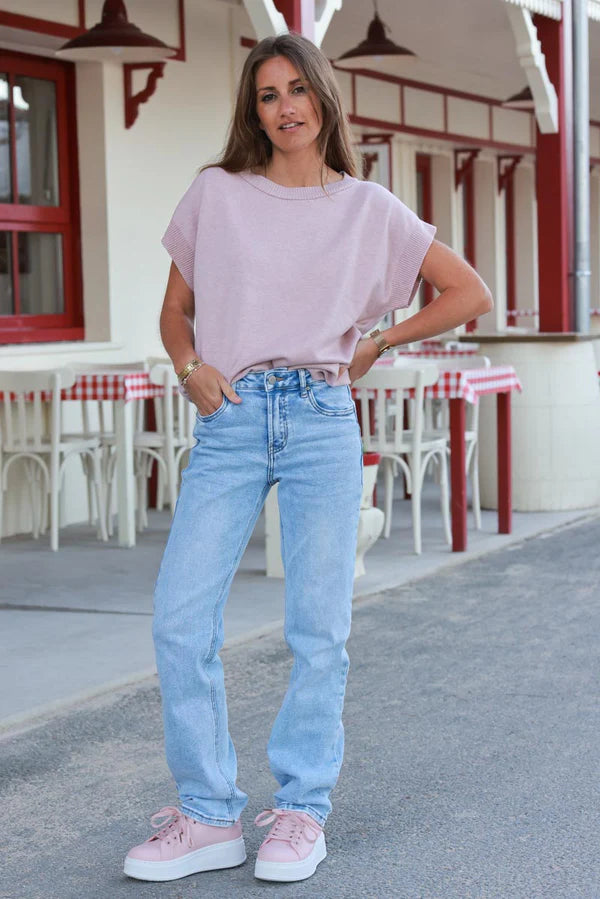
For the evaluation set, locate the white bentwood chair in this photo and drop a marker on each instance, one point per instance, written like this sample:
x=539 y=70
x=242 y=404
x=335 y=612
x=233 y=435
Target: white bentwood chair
x=166 y=445
x=31 y=431
x=98 y=418
x=437 y=424
x=408 y=449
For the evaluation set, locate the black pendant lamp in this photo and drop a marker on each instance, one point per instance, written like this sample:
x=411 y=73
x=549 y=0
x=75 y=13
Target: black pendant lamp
x=522 y=100
x=374 y=48
x=115 y=39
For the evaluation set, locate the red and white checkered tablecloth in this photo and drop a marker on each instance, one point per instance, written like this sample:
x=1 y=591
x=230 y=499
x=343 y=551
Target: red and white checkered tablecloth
x=468 y=384
x=472 y=383
x=114 y=385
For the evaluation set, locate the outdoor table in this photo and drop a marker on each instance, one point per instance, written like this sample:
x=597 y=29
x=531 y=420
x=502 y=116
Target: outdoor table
x=121 y=387
x=467 y=386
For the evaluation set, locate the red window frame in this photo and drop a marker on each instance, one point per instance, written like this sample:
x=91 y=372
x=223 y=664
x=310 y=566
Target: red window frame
x=63 y=219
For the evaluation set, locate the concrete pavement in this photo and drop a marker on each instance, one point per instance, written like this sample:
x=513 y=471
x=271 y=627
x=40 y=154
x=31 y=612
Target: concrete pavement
x=472 y=751
x=78 y=622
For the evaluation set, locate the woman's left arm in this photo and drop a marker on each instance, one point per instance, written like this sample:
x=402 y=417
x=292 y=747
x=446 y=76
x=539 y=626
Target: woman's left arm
x=463 y=296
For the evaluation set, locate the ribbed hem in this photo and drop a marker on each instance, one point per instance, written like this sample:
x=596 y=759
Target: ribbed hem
x=313 y=192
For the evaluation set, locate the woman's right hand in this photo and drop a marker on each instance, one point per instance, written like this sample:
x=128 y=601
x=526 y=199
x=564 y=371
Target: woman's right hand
x=205 y=387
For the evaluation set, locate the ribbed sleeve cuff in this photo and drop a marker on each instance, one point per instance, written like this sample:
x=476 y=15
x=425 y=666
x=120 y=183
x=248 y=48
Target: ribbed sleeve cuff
x=180 y=252
x=409 y=264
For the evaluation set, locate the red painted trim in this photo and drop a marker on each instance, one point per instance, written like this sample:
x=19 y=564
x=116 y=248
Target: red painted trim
x=463 y=166
x=553 y=195
x=353 y=83
x=440 y=135
x=62 y=219
x=402 y=106
x=426 y=213
x=458 y=477
x=40 y=26
x=134 y=101
x=81 y=11
x=180 y=56
x=291 y=10
x=503 y=423
x=12 y=127
x=423 y=85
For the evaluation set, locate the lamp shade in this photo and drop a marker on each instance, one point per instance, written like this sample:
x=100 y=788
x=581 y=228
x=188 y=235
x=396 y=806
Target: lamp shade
x=522 y=100
x=117 y=39
x=375 y=45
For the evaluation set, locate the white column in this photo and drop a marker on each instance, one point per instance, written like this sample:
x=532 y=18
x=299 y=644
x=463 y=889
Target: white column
x=595 y=247
x=526 y=266
x=490 y=242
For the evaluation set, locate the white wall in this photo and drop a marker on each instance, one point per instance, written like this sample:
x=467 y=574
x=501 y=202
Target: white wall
x=131 y=180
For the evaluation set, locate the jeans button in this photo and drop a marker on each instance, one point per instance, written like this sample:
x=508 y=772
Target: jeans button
x=271 y=379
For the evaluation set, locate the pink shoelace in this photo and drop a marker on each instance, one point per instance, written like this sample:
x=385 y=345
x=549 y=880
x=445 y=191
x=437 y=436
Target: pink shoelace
x=289 y=826
x=170 y=822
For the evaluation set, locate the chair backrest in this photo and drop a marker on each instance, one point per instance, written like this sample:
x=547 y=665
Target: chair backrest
x=30 y=408
x=390 y=385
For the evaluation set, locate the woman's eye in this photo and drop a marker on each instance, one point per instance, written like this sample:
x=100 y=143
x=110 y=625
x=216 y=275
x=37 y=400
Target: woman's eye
x=300 y=88
x=265 y=97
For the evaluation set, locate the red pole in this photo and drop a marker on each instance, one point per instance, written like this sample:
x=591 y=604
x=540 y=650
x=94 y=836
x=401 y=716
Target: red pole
x=504 y=463
x=554 y=180
x=458 y=477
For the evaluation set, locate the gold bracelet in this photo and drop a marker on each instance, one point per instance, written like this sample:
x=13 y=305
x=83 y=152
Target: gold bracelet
x=188 y=369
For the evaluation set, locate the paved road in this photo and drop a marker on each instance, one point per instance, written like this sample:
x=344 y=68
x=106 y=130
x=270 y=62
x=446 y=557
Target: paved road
x=472 y=750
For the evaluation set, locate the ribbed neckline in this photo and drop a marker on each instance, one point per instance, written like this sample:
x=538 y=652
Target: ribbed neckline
x=313 y=192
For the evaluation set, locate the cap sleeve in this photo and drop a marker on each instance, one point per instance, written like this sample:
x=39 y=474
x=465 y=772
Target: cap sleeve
x=179 y=240
x=407 y=240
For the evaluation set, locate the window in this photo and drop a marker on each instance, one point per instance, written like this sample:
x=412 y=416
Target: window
x=40 y=270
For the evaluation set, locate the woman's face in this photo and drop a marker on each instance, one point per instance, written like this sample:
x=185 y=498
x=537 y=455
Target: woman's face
x=284 y=98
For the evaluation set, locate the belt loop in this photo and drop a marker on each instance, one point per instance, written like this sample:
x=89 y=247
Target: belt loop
x=302 y=376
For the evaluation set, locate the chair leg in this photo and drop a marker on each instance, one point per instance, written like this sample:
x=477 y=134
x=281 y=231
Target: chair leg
x=417 y=479
x=445 y=496
x=388 y=495
x=475 y=486
x=54 y=506
x=99 y=486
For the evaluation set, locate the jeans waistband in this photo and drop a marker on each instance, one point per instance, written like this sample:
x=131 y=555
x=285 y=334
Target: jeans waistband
x=275 y=379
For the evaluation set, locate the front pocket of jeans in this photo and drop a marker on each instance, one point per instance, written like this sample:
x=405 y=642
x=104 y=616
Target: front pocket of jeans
x=331 y=400
x=212 y=415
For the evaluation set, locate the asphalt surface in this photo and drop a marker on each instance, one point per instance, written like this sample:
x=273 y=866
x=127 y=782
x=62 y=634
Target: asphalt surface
x=472 y=750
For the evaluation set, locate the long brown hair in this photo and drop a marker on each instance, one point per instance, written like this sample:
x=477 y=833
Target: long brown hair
x=248 y=146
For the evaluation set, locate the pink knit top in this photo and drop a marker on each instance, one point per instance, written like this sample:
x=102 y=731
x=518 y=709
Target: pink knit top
x=292 y=276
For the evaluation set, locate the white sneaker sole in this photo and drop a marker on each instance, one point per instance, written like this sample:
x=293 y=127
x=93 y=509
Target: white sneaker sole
x=287 y=871
x=209 y=858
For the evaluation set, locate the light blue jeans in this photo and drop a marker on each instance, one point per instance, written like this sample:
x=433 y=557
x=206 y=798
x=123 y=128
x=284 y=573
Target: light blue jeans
x=304 y=435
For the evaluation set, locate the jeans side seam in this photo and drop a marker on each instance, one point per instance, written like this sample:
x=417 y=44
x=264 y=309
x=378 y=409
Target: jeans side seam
x=212 y=648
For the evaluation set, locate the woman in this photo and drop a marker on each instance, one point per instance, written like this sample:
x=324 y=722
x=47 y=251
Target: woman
x=285 y=259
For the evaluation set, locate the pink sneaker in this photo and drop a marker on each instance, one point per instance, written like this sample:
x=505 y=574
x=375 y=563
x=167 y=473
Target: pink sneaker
x=293 y=847
x=184 y=846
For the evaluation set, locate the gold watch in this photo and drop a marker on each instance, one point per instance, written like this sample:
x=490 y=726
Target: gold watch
x=381 y=342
